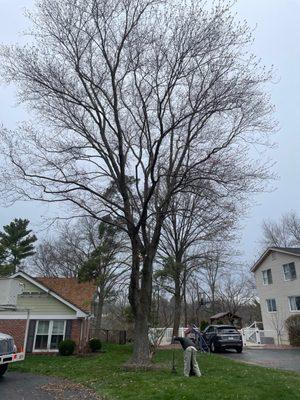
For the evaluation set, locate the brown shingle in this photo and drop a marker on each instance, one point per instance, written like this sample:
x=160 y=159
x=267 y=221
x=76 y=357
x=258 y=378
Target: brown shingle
x=79 y=294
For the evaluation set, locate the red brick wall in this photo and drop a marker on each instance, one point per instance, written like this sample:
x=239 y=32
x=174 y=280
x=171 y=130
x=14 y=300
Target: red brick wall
x=15 y=328
x=75 y=332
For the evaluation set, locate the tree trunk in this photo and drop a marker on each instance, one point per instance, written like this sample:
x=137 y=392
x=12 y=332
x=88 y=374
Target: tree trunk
x=184 y=298
x=177 y=306
x=141 y=349
x=99 y=311
x=140 y=300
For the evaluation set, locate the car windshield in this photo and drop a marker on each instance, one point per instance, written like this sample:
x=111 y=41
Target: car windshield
x=227 y=329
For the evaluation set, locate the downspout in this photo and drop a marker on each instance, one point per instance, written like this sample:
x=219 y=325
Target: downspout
x=26 y=331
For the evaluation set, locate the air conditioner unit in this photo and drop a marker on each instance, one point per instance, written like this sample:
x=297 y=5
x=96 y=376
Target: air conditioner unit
x=10 y=288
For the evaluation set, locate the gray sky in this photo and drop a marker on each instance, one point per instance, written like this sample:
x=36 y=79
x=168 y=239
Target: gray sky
x=277 y=42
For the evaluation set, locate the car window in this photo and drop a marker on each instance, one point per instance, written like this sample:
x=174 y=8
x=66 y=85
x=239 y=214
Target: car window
x=227 y=329
x=210 y=329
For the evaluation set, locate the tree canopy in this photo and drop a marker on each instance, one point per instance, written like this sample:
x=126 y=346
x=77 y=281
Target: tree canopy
x=16 y=244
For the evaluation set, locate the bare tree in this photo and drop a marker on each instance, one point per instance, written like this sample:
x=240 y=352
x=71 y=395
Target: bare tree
x=136 y=100
x=67 y=248
x=283 y=233
x=235 y=291
x=192 y=221
x=82 y=251
x=216 y=263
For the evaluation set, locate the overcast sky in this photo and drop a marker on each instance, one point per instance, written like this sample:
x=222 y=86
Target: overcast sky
x=277 y=36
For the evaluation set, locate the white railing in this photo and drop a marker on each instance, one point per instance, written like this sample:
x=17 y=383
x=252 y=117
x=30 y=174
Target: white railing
x=254 y=335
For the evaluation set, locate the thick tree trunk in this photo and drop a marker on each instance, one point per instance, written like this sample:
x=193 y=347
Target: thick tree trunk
x=140 y=295
x=141 y=349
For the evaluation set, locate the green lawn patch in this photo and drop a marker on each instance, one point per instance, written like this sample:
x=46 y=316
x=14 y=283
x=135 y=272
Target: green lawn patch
x=222 y=379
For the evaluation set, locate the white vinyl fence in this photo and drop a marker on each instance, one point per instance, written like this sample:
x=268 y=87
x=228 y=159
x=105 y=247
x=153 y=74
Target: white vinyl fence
x=253 y=335
x=163 y=335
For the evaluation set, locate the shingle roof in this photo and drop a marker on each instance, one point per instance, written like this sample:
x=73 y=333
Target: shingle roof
x=295 y=251
x=291 y=250
x=80 y=294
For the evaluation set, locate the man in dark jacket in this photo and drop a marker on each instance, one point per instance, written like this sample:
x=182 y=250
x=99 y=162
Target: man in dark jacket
x=190 y=362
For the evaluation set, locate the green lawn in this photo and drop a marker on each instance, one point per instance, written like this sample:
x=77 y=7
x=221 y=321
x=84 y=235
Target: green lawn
x=223 y=378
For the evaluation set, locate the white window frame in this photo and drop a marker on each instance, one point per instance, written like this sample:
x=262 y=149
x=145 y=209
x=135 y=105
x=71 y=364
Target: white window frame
x=50 y=330
x=289 y=301
x=267 y=283
x=292 y=279
x=271 y=312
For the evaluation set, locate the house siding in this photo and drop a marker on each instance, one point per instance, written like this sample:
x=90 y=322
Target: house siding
x=40 y=302
x=279 y=290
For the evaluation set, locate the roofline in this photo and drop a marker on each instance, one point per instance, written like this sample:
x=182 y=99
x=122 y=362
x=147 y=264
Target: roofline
x=79 y=313
x=266 y=253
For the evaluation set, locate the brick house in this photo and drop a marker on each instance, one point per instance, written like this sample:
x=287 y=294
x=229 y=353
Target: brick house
x=57 y=308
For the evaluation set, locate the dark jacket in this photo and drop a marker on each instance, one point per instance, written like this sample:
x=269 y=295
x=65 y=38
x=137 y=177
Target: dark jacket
x=185 y=342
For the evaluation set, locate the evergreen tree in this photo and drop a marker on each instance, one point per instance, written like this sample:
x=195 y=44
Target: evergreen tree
x=16 y=244
x=103 y=267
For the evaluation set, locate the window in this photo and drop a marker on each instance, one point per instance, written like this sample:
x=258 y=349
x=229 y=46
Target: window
x=271 y=305
x=294 y=303
x=289 y=271
x=49 y=334
x=267 y=277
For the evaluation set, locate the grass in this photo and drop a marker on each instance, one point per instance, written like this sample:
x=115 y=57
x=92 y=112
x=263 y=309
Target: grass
x=223 y=379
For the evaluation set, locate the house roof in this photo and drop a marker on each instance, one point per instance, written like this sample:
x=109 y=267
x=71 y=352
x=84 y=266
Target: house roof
x=77 y=293
x=295 y=251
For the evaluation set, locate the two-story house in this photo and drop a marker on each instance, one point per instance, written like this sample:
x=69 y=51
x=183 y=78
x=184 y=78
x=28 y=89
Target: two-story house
x=277 y=275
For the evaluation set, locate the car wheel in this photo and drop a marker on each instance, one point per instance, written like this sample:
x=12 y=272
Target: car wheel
x=213 y=348
x=239 y=350
x=3 y=369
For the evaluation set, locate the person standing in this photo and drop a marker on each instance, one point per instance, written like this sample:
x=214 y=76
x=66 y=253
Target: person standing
x=190 y=361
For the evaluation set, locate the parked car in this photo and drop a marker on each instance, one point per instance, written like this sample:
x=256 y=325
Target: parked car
x=222 y=337
x=8 y=352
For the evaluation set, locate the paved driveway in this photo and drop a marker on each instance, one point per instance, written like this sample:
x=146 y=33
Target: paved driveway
x=288 y=359
x=18 y=386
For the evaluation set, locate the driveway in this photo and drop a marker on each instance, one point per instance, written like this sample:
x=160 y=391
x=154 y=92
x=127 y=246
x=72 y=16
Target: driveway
x=19 y=386
x=287 y=359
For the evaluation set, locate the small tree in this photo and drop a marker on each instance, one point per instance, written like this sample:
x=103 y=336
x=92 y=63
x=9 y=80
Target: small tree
x=16 y=244
x=103 y=267
x=293 y=327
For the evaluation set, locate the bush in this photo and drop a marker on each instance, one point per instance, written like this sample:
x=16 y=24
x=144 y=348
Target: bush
x=293 y=327
x=66 y=347
x=95 y=344
x=203 y=325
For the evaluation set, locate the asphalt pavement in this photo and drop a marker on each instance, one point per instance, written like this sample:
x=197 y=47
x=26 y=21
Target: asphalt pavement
x=286 y=359
x=19 y=386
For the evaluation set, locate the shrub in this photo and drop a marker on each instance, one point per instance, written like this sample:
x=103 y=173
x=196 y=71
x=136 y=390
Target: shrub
x=95 y=344
x=203 y=325
x=66 y=347
x=293 y=327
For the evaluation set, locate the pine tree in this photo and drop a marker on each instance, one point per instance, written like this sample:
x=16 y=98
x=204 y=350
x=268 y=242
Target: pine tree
x=16 y=244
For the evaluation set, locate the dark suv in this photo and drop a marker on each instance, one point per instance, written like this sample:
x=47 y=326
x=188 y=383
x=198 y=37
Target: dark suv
x=221 y=337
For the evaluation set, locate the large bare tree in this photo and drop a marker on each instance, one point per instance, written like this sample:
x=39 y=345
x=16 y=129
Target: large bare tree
x=134 y=101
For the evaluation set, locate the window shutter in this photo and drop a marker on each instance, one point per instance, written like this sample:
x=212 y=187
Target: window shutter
x=68 y=329
x=30 y=338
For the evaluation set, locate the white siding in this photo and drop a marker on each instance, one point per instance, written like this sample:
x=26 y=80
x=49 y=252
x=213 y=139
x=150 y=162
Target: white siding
x=279 y=290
